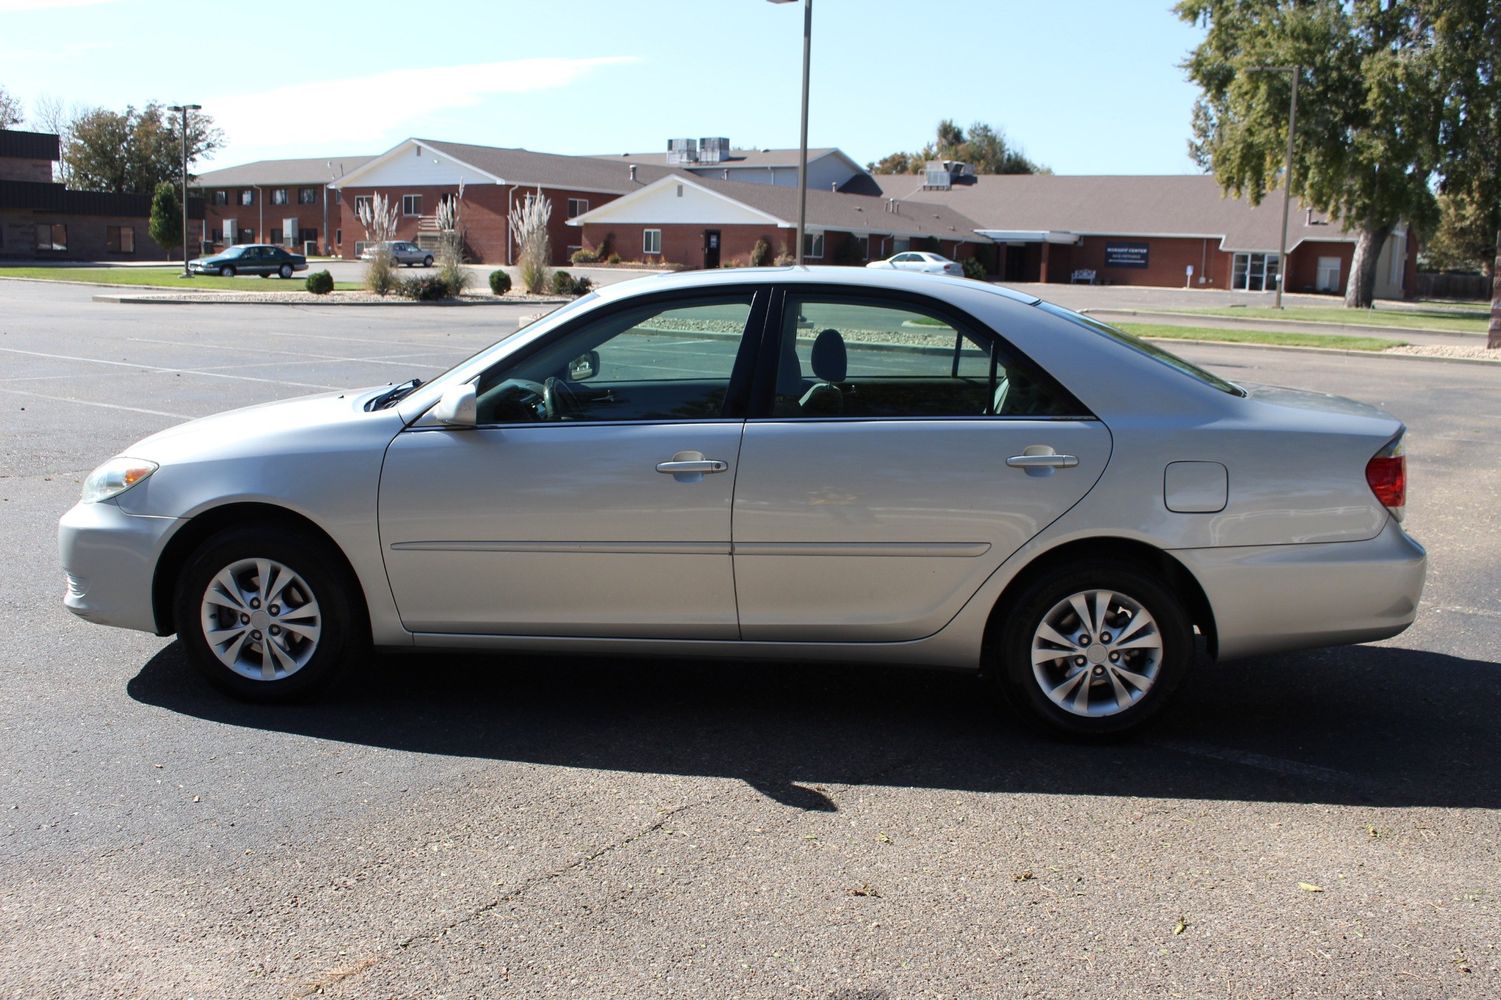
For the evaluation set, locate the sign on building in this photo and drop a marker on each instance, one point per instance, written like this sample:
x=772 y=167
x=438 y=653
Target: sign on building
x=1118 y=254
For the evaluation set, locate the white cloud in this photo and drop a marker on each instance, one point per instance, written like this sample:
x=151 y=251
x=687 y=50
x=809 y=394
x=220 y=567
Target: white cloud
x=364 y=111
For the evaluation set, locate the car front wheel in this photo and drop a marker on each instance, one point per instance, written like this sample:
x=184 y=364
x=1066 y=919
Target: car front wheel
x=1094 y=649
x=227 y=272
x=268 y=615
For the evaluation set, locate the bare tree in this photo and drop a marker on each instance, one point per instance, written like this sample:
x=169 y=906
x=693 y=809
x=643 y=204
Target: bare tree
x=10 y=110
x=52 y=116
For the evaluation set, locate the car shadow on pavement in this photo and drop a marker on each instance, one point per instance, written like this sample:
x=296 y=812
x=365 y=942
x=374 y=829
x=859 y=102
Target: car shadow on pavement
x=1362 y=725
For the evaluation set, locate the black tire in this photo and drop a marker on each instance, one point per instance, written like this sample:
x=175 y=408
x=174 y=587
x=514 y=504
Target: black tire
x=226 y=272
x=1102 y=714
x=427 y=261
x=322 y=589
x=265 y=274
x=286 y=271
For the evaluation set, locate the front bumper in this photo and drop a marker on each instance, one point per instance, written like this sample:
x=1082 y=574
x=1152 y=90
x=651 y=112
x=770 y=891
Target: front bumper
x=1273 y=598
x=110 y=559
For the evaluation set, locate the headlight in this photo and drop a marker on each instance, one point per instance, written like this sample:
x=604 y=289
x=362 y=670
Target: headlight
x=115 y=477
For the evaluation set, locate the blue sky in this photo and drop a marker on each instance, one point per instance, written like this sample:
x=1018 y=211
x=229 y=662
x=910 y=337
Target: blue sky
x=1084 y=86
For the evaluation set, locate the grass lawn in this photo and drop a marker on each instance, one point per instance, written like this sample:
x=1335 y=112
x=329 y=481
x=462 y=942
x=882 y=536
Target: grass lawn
x=165 y=277
x=1157 y=331
x=1445 y=319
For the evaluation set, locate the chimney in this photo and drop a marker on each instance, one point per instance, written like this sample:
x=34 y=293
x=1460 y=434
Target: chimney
x=633 y=172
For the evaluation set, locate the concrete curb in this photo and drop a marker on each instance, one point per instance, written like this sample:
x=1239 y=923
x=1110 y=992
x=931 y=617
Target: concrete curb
x=219 y=299
x=1168 y=341
x=1313 y=325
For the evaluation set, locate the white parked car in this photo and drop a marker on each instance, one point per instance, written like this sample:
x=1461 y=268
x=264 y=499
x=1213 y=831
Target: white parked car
x=921 y=260
x=792 y=463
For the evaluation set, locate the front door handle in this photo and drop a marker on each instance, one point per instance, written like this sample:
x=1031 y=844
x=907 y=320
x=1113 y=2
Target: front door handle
x=1041 y=460
x=691 y=466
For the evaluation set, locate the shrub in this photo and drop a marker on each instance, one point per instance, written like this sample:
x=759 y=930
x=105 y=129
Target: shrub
x=581 y=285
x=760 y=253
x=614 y=258
x=784 y=259
x=973 y=269
x=380 y=274
x=454 y=277
x=528 y=224
x=320 y=282
x=562 y=283
x=583 y=255
x=423 y=288
x=500 y=282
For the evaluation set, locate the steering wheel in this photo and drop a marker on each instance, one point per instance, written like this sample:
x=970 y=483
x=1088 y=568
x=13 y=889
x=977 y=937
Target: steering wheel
x=559 y=401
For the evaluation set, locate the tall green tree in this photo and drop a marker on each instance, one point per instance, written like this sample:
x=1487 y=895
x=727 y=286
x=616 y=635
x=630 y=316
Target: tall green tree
x=1367 y=136
x=1467 y=65
x=165 y=224
x=984 y=148
x=133 y=151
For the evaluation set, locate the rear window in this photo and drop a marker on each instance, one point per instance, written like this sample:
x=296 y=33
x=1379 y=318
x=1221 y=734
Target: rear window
x=1141 y=346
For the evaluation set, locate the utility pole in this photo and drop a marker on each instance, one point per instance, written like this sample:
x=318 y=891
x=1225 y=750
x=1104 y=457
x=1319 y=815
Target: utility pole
x=183 y=109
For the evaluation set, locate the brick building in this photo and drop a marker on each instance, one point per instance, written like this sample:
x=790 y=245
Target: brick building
x=288 y=202
x=703 y=222
x=417 y=174
x=829 y=169
x=1150 y=231
x=44 y=220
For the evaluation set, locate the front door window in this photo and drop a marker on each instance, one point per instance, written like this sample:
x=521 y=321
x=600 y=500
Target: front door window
x=1255 y=272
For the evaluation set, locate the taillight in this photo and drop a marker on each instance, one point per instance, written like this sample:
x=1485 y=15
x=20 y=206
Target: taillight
x=1386 y=473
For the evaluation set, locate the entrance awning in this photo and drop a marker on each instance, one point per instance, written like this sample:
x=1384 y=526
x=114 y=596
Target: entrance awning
x=1029 y=235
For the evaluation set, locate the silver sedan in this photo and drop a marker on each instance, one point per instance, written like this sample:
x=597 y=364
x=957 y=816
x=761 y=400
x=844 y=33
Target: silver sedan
x=401 y=252
x=806 y=464
x=920 y=260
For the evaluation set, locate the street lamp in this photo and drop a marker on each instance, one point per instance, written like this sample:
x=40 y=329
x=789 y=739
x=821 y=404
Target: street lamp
x=802 y=155
x=183 y=109
x=1287 y=174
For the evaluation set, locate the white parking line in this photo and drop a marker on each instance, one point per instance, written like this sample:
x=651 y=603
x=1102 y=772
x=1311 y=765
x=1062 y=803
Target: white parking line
x=89 y=402
x=168 y=371
x=267 y=350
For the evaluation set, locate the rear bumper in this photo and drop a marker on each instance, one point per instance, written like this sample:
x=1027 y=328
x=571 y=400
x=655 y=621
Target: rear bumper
x=1273 y=598
x=110 y=558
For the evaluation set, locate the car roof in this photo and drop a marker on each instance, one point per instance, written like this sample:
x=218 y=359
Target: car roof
x=853 y=277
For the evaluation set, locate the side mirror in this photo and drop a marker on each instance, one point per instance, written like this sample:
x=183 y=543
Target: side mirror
x=585 y=366
x=457 y=407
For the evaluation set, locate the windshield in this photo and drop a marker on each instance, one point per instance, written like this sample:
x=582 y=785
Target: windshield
x=234 y=251
x=1150 y=350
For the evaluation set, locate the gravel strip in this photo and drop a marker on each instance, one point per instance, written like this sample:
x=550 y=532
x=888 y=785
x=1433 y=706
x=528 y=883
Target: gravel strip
x=1447 y=351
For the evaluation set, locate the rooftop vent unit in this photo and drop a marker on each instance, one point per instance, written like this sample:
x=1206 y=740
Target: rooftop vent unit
x=714 y=149
x=936 y=176
x=958 y=170
x=681 y=151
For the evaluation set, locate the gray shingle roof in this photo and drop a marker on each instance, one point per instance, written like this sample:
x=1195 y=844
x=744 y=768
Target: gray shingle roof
x=317 y=170
x=738 y=158
x=1188 y=205
x=576 y=173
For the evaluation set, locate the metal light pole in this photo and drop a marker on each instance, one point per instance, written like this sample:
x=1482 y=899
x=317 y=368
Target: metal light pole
x=1287 y=173
x=183 y=109
x=802 y=155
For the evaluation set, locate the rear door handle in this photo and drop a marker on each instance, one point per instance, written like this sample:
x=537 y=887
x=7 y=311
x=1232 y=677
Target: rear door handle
x=691 y=466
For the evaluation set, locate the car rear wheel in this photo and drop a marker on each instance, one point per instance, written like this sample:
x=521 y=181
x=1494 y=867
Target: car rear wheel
x=268 y=615
x=227 y=272
x=286 y=270
x=1093 y=649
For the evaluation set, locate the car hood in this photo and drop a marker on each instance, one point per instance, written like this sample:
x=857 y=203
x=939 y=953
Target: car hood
x=266 y=428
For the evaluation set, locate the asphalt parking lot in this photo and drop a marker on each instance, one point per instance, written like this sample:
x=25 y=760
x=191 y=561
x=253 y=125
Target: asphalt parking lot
x=1319 y=823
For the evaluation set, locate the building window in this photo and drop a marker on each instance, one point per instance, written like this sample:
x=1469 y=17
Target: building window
x=651 y=241
x=307 y=235
x=411 y=204
x=339 y=237
x=247 y=196
x=307 y=196
x=813 y=245
x=361 y=205
x=221 y=197
x=577 y=207
x=278 y=196
x=120 y=239
x=51 y=237
x=276 y=236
